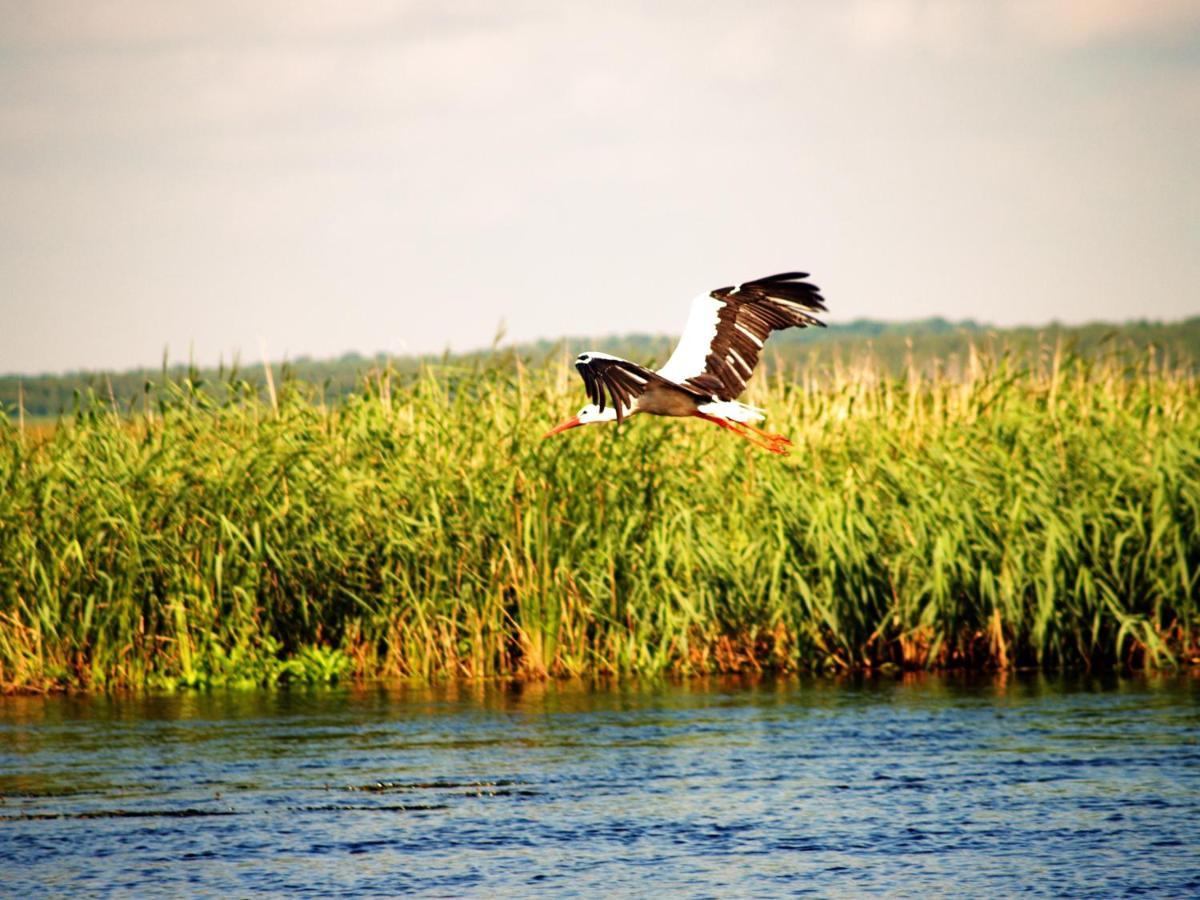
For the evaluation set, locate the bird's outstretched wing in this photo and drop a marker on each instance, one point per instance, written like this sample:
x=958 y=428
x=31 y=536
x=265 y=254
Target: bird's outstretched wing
x=727 y=328
x=616 y=381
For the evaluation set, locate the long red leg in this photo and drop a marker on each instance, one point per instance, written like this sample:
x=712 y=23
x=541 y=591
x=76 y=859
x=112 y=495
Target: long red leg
x=766 y=435
x=736 y=428
x=776 y=443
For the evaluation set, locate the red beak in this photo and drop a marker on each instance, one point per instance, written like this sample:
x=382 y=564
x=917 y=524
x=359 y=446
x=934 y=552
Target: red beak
x=570 y=423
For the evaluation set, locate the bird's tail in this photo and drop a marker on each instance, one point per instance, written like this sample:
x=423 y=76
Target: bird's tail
x=733 y=411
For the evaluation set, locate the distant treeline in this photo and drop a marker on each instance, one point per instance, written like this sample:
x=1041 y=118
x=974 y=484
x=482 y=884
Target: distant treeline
x=927 y=344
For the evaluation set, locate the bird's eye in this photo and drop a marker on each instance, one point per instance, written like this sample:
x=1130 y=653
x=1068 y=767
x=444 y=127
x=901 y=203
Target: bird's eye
x=584 y=357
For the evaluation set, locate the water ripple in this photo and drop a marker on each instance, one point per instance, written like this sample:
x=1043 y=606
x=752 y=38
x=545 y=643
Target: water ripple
x=905 y=787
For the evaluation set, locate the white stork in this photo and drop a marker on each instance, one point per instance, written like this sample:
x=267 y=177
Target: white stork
x=716 y=355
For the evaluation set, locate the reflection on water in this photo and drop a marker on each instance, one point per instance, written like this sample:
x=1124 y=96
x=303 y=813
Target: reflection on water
x=723 y=786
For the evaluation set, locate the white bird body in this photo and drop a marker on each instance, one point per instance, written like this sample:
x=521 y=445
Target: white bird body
x=712 y=362
x=732 y=410
x=725 y=409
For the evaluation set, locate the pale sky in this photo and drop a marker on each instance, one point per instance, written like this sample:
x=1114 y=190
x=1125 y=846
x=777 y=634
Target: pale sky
x=320 y=177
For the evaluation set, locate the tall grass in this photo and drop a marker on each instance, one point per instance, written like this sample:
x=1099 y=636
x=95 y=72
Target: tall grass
x=1046 y=517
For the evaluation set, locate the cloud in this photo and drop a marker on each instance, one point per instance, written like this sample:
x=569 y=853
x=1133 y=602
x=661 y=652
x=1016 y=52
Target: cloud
x=125 y=23
x=953 y=27
x=174 y=170
x=1084 y=22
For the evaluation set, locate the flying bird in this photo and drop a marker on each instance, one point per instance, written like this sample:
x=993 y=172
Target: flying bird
x=711 y=364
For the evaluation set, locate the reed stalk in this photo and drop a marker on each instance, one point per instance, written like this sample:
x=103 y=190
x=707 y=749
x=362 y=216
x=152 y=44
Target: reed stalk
x=1003 y=516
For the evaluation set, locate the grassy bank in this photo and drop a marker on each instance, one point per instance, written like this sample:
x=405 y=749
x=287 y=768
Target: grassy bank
x=1047 y=517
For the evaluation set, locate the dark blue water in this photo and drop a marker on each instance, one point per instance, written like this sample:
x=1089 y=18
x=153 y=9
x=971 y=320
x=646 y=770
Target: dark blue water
x=904 y=787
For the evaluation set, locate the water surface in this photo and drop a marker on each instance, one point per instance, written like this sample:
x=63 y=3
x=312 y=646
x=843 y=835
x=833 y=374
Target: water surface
x=709 y=788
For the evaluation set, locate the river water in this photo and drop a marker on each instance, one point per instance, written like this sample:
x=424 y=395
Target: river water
x=902 y=786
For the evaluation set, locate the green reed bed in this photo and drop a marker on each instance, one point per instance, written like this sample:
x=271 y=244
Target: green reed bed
x=1006 y=518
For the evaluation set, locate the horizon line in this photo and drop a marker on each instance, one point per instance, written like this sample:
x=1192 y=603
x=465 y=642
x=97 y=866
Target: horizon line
x=237 y=356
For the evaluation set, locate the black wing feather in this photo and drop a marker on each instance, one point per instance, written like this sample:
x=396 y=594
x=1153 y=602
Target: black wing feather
x=590 y=384
x=619 y=382
x=775 y=279
x=748 y=315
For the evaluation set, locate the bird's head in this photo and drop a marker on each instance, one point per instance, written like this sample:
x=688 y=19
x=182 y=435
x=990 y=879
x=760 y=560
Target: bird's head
x=589 y=415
